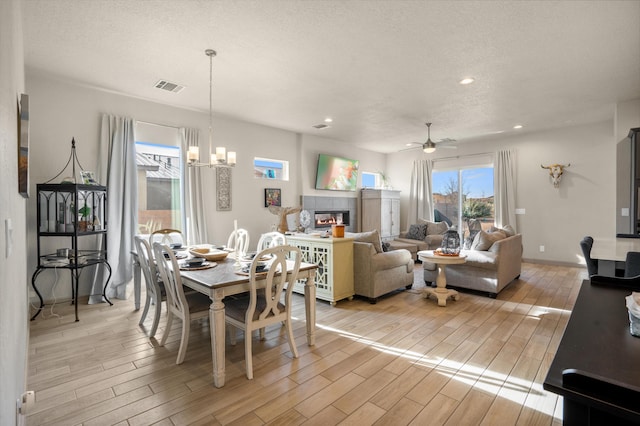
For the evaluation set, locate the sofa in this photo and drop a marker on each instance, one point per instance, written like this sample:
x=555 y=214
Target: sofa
x=377 y=272
x=424 y=235
x=489 y=267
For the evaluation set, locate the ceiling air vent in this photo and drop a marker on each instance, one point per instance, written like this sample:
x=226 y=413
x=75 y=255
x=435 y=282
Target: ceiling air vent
x=168 y=86
x=321 y=126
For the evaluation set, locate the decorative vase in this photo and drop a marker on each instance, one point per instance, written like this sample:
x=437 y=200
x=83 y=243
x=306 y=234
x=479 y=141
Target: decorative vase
x=451 y=241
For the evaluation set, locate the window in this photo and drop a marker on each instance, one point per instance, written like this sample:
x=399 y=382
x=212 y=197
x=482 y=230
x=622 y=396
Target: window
x=463 y=194
x=371 y=180
x=160 y=202
x=375 y=180
x=265 y=168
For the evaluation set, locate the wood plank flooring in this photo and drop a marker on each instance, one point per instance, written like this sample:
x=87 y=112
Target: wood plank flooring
x=403 y=361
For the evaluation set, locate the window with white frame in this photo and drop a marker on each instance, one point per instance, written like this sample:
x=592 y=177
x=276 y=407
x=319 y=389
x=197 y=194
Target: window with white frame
x=464 y=192
x=266 y=168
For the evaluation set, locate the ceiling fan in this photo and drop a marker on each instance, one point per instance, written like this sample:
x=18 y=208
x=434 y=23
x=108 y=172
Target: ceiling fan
x=429 y=146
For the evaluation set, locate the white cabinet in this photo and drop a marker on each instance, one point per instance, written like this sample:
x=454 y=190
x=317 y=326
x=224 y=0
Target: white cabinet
x=381 y=211
x=334 y=257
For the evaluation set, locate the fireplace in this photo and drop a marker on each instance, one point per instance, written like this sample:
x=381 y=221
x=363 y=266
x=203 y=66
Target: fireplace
x=337 y=208
x=324 y=219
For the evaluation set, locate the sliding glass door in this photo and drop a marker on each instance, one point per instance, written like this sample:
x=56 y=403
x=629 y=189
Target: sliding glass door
x=461 y=194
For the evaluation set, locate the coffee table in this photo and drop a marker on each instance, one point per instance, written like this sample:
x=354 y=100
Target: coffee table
x=441 y=291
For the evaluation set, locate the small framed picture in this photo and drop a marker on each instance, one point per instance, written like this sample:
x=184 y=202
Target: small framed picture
x=272 y=197
x=88 y=178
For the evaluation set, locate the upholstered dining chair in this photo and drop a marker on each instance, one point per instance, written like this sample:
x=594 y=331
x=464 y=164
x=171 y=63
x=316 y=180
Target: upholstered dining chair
x=186 y=307
x=271 y=239
x=266 y=306
x=592 y=265
x=156 y=293
x=166 y=236
x=242 y=235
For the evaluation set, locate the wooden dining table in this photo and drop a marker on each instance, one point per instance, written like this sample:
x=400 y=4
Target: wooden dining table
x=225 y=280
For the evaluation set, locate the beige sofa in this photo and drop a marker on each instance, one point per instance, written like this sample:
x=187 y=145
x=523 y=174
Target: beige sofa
x=376 y=272
x=485 y=270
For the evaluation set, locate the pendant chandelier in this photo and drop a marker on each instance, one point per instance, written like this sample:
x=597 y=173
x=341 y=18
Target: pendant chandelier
x=221 y=158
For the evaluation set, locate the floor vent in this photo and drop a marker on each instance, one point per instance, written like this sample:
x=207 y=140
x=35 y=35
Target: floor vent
x=168 y=86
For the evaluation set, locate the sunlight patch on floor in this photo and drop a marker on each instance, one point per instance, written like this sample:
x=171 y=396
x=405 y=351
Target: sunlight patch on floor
x=524 y=392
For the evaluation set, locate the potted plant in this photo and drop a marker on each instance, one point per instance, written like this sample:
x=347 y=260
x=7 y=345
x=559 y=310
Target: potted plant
x=85 y=213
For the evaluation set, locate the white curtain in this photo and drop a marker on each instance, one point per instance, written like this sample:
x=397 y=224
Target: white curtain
x=420 y=198
x=193 y=202
x=117 y=167
x=505 y=177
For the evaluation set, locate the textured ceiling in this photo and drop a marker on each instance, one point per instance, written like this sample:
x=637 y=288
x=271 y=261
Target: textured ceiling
x=380 y=69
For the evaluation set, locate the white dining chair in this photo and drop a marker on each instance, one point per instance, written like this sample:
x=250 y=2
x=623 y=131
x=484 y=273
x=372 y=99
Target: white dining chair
x=271 y=239
x=187 y=307
x=242 y=236
x=156 y=292
x=166 y=236
x=265 y=305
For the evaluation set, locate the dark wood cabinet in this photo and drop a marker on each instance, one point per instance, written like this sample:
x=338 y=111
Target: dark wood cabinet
x=628 y=185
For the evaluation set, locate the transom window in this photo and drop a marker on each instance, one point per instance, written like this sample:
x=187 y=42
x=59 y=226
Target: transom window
x=266 y=168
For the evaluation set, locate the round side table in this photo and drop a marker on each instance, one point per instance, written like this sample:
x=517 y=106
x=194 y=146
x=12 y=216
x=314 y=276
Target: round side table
x=441 y=292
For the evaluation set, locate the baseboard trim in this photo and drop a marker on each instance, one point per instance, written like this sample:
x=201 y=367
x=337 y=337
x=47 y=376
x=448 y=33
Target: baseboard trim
x=554 y=263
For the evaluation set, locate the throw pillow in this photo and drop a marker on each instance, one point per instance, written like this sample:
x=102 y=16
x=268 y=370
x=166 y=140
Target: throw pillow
x=484 y=240
x=468 y=241
x=386 y=247
x=369 y=237
x=434 y=228
x=507 y=230
x=417 y=232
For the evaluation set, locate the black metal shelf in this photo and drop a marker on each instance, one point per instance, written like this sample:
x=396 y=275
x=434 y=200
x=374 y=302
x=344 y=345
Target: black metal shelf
x=71 y=211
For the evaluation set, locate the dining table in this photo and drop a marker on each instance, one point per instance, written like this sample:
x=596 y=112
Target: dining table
x=611 y=253
x=225 y=279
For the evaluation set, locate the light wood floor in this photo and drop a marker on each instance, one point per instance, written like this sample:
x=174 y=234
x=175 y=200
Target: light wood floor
x=402 y=361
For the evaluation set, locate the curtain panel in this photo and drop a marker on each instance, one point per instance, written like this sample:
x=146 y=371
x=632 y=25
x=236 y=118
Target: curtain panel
x=193 y=203
x=420 y=198
x=117 y=167
x=505 y=183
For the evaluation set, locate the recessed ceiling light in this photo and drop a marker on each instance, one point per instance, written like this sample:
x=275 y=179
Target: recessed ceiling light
x=467 y=80
x=328 y=120
x=518 y=126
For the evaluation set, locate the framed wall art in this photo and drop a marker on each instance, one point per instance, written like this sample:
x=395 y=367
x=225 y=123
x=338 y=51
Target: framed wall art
x=223 y=188
x=88 y=178
x=272 y=197
x=23 y=146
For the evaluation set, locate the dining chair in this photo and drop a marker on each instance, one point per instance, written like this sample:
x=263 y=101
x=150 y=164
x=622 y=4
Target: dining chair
x=242 y=236
x=271 y=239
x=592 y=265
x=265 y=305
x=166 y=236
x=156 y=292
x=184 y=306
x=632 y=264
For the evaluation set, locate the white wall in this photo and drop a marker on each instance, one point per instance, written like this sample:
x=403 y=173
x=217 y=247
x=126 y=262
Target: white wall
x=61 y=111
x=584 y=204
x=14 y=330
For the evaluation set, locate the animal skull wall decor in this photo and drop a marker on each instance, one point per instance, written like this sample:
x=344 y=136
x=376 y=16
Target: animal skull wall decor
x=555 y=171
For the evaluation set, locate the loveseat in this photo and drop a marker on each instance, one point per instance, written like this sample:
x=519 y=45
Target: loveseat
x=425 y=235
x=488 y=270
x=376 y=272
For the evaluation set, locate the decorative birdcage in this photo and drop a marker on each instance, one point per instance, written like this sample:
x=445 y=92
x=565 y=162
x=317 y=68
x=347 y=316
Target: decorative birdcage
x=451 y=241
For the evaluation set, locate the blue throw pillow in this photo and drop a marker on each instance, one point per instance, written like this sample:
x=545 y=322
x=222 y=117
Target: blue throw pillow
x=417 y=232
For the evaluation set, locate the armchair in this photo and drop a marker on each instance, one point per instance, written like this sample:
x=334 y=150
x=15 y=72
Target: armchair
x=376 y=272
